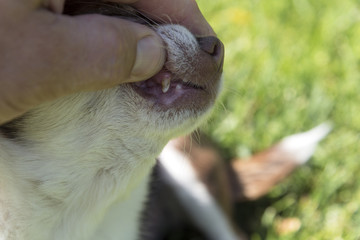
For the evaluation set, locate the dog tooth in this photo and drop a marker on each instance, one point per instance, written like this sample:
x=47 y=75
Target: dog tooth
x=165 y=84
x=138 y=84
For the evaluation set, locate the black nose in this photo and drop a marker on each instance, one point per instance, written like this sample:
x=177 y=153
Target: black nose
x=213 y=46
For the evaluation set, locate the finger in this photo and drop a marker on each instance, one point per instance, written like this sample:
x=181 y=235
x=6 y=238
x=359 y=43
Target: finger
x=62 y=55
x=55 y=6
x=184 y=12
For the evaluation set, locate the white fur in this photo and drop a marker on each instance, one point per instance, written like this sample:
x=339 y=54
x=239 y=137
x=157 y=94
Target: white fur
x=80 y=167
x=203 y=209
x=302 y=146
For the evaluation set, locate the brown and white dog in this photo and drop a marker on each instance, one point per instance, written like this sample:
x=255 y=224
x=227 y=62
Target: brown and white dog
x=198 y=202
x=78 y=168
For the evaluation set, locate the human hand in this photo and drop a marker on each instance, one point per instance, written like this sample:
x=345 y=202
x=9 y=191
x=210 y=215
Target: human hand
x=184 y=12
x=46 y=55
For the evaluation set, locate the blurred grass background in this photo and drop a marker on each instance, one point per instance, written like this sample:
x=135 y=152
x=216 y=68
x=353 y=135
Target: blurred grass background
x=289 y=66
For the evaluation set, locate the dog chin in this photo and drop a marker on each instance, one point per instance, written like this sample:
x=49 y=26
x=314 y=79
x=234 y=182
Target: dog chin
x=165 y=121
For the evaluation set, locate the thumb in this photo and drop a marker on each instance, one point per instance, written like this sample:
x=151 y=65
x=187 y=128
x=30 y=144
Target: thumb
x=61 y=55
x=106 y=50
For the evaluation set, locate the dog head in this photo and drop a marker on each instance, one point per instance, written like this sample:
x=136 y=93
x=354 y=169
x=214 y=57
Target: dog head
x=172 y=102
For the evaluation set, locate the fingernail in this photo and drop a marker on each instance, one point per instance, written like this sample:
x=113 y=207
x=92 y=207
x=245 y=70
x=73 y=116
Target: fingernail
x=150 y=58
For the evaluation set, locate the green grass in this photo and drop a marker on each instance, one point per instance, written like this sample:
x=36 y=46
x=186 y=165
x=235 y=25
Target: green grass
x=289 y=66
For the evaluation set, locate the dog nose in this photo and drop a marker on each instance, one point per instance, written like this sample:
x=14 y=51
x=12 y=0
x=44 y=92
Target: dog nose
x=213 y=46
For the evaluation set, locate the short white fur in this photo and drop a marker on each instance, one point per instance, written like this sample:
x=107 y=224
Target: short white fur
x=82 y=162
x=303 y=145
x=201 y=206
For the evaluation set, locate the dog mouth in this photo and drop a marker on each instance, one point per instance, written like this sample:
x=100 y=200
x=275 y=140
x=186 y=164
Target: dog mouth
x=165 y=88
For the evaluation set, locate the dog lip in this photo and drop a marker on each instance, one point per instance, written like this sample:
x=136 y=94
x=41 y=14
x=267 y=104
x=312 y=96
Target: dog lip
x=167 y=90
x=166 y=85
x=165 y=80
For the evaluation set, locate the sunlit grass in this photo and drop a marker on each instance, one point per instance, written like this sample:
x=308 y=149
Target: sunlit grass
x=291 y=65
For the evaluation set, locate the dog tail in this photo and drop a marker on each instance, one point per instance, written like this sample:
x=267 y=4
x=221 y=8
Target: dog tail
x=207 y=186
x=255 y=176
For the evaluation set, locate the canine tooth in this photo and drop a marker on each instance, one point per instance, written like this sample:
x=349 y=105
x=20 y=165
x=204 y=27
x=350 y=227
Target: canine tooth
x=138 y=83
x=178 y=86
x=165 y=85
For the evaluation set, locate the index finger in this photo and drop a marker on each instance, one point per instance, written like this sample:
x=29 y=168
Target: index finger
x=184 y=12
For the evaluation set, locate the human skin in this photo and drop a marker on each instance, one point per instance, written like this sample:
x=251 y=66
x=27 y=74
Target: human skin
x=46 y=55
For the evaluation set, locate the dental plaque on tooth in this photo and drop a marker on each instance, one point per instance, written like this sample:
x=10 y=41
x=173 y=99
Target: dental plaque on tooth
x=166 y=83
